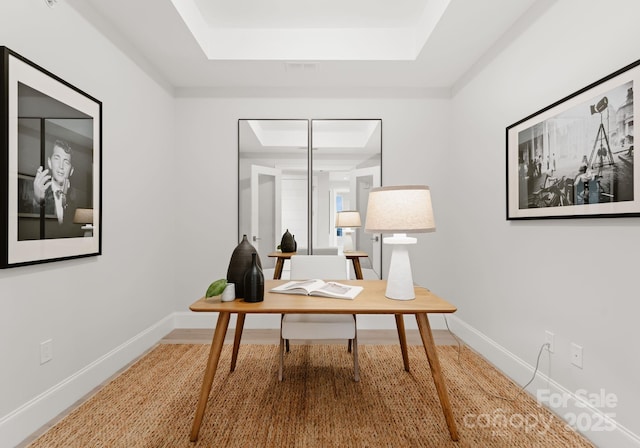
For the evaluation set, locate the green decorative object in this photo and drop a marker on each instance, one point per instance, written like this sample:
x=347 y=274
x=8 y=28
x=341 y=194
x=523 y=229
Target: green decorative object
x=216 y=288
x=288 y=242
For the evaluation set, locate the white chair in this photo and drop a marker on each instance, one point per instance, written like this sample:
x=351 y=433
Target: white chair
x=325 y=251
x=319 y=326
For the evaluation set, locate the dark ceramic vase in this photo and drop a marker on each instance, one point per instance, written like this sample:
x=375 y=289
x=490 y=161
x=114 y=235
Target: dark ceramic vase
x=288 y=242
x=240 y=263
x=254 y=282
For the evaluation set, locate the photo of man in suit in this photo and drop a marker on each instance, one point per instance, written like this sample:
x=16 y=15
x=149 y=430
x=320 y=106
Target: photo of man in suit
x=52 y=186
x=54 y=155
x=48 y=198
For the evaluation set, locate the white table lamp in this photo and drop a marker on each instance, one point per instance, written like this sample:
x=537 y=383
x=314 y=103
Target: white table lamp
x=400 y=210
x=347 y=220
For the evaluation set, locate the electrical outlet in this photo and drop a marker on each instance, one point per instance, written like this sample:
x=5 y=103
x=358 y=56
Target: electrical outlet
x=548 y=339
x=576 y=355
x=46 y=351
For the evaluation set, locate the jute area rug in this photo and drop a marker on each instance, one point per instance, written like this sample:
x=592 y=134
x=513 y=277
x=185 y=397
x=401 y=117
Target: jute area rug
x=152 y=403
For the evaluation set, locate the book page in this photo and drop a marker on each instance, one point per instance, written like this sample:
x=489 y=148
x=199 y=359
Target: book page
x=299 y=287
x=337 y=291
x=335 y=288
x=307 y=285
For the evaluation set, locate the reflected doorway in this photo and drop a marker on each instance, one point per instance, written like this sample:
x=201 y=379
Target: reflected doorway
x=297 y=175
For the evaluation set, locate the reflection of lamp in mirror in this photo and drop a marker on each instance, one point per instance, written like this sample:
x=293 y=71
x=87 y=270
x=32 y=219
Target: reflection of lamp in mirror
x=347 y=220
x=400 y=210
x=84 y=216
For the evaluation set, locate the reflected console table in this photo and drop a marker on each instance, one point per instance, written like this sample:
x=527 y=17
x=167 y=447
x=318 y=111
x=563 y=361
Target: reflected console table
x=354 y=256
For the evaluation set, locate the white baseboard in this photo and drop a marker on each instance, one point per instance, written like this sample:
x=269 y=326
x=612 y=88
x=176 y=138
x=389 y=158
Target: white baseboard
x=598 y=425
x=37 y=412
x=190 y=320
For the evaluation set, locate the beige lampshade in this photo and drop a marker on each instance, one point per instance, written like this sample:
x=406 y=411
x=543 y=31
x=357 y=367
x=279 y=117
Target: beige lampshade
x=348 y=218
x=400 y=209
x=83 y=216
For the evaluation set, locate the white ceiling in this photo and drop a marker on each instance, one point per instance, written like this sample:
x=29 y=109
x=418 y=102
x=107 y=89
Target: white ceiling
x=309 y=30
x=310 y=14
x=327 y=44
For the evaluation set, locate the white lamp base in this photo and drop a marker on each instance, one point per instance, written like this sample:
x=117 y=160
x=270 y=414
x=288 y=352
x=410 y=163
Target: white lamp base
x=88 y=230
x=347 y=240
x=400 y=279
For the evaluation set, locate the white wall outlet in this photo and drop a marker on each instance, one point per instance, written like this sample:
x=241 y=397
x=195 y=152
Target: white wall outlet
x=576 y=355
x=46 y=351
x=548 y=339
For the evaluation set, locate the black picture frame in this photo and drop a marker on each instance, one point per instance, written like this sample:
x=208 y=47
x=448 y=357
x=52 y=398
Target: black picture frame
x=51 y=175
x=575 y=158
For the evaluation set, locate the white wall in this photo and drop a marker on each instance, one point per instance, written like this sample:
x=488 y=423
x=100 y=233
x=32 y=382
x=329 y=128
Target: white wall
x=414 y=146
x=576 y=278
x=90 y=307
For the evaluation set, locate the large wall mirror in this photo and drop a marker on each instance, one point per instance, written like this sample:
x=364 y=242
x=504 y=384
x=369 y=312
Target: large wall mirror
x=299 y=175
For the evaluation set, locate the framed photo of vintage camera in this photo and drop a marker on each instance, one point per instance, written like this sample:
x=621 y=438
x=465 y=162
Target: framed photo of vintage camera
x=575 y=158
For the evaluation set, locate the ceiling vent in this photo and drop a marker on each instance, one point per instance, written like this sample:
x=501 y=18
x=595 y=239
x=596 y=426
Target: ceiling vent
x=301 y=67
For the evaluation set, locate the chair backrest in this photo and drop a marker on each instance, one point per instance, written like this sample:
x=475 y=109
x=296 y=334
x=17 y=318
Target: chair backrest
x=328 y=267
x=325 y=251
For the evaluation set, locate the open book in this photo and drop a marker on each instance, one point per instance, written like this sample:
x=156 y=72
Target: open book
x=319 y=288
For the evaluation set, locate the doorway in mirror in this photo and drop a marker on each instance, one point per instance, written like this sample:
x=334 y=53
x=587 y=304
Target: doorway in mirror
x=298 y=175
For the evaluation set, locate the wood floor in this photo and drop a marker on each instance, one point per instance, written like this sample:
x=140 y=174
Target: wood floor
x=252 y=336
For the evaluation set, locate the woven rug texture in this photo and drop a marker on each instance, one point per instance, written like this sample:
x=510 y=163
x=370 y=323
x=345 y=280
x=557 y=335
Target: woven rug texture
x=152 y=403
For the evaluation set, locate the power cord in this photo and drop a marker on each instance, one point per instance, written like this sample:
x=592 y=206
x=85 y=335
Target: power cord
x=520 y=390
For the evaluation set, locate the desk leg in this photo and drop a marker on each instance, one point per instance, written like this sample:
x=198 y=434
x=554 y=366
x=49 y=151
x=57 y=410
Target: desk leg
x=403 y=340
x=357 y=267
x=436 y=372
x=212 y=365
x=236 y=340
x=277 y=273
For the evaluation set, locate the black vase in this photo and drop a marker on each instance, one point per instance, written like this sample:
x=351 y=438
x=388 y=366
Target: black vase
x=239 y=264
x=288 y=242
x=253 y=282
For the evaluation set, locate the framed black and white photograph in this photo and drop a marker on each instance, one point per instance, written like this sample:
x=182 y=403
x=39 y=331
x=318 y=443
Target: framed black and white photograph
x=50 y=180
x=575 y=158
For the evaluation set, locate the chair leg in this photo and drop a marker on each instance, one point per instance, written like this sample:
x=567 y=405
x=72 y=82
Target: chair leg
x=281 y=358
x=349 y=341
x=356 y=367
x=286 y=341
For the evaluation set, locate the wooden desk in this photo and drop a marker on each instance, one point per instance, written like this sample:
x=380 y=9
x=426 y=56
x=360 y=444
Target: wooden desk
x=370 y=301
x=354 y=256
